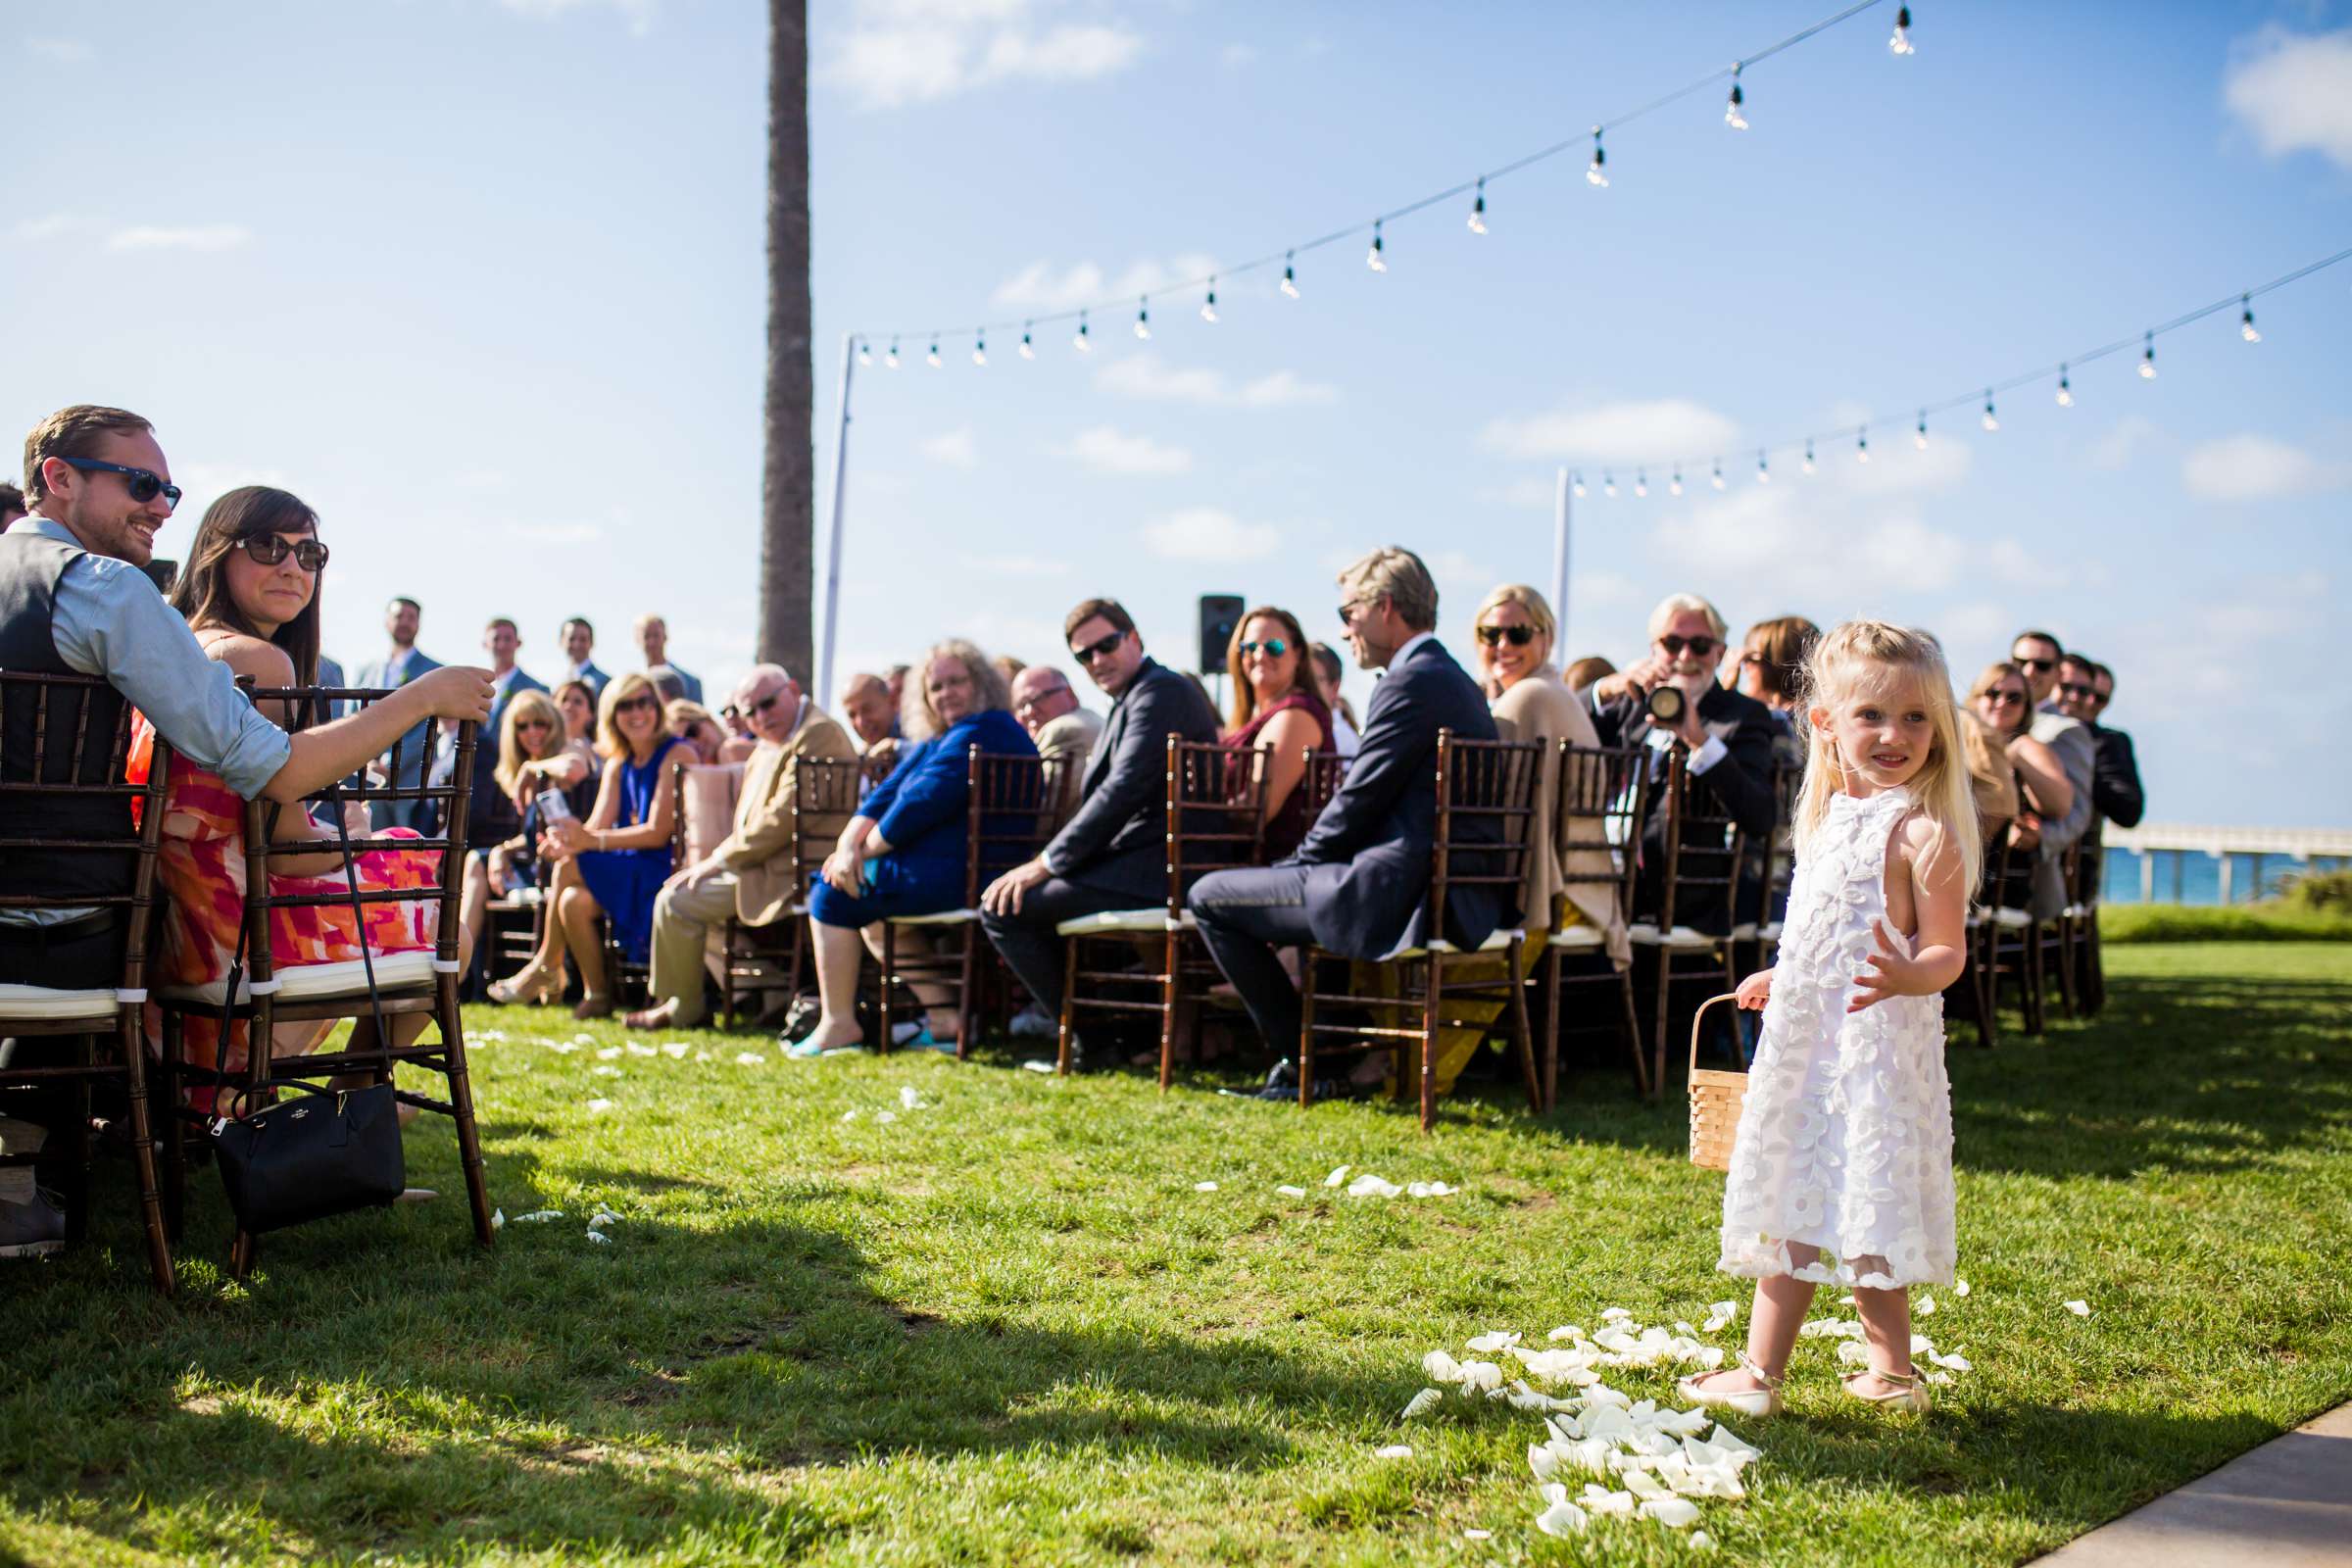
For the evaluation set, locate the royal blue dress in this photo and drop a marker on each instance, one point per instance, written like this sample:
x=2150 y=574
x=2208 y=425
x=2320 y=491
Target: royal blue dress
x=625 y=881
x=923 y=812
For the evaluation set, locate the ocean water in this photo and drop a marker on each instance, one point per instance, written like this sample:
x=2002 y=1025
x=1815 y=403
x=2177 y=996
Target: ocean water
x=2187 y=878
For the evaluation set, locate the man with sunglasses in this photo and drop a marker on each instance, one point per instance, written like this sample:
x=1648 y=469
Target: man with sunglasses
x=1112 y=852
x=491 y=809
x=74 y=599
x=1728 y=737
x=404 y=662
x=2085 y=688
x=751 y=874
x=2040 y=655
x=1048 y=709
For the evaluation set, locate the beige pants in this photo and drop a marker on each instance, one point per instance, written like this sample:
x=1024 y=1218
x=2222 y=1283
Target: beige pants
x=683 y=915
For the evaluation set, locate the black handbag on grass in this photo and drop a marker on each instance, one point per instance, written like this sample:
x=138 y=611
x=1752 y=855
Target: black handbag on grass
x=325 y=1151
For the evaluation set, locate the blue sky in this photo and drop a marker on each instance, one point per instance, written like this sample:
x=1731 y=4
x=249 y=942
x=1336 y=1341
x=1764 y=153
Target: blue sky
x=483 y=282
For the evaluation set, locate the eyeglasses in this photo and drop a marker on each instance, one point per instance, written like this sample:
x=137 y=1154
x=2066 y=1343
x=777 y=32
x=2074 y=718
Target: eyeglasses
x=2001 y=698
x=1099 y=648
x=1700 y=647
x=2087 y=694
x=533 y=723
x=1275 y=648
x=1348 y=613
x=2040 y=667
x=145 y=484
x=267 y=549
x=632 y=704
x=765 y=703
x=1497 y=636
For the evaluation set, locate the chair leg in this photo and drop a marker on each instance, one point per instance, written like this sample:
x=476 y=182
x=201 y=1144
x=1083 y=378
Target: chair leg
x=1658 y=1068
x=77 y=1200
x=1527 y=1037
x=1431 y=1008
x=175 y=1148
x=460 y=1104
x=1069 y=998
x=143 y=1150
x=966 y=995
x=1306 y=1027
x=1551 y=1029
x=2065 y=966
x=1169 y=984
x=1633 y=1030
x=889 y=969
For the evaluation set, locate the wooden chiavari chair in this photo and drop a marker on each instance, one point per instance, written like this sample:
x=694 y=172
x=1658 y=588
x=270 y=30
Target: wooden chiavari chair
x=1604 y=798
x=1701 y=865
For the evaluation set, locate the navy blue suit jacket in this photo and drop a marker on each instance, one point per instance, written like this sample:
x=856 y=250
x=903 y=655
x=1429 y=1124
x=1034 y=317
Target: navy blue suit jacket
x=1123 y=801
x=1382 y=826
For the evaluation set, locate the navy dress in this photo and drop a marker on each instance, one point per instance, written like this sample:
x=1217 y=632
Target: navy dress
x=625 y=881
x=922 y=810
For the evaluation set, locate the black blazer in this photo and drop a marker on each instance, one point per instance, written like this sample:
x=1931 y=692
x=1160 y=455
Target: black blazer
x=2115 y=785
x=1123 y=801
x=1382 y=826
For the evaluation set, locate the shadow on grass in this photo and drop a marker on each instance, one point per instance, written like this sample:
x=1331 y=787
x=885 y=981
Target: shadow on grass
x=383 y=1387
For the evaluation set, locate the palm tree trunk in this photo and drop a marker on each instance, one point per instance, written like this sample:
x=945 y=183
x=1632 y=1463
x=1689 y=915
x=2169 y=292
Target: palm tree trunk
x=787 y=490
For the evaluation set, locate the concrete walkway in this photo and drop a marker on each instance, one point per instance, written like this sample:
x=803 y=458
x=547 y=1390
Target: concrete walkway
x=2287 y=1505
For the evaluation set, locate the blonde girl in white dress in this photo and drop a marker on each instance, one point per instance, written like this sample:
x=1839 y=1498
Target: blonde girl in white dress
x=1841 y=1172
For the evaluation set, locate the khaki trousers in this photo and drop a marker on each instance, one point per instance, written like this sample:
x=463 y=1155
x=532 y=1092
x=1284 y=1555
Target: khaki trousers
x=683 y=915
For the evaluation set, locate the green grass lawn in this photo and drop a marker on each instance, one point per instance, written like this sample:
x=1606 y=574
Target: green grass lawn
x=1007 y=1328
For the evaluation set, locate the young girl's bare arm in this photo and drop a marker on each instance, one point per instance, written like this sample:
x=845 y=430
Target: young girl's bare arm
x=1939 y=901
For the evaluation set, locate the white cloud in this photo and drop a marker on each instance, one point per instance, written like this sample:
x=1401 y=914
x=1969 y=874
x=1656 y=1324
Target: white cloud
x=639 y=13
x=1617 y=431
x=1107 y=450
x=2293 y=91
x=188 y=238
x=2114 y=450
x=61 y=50
x=899 y=52
x=1149 y=377
x=2255 y=468
x=1038 y=287
x=1210 y=536
x=957 y=448
x=47 y=226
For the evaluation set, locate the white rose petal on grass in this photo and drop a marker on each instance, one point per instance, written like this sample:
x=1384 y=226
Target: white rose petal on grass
x=636 y=1049
x=748 y=1058
x=1481 y=1376
x=603 y=1069
x=1394 y=1450
x=849 y=1115
x=600 y=1237
x=910 y=1099
x=1205 y=1187
x=1925 y=1306
x=1429 y=1190
x=599 y=1106
x=498 y=1219
x=1614 y=1314
x=1493 y=1340
x=1371 y=1186
x=1440 y=1367
x=1427 y=1400
x=1039 y=1064
x=1675 y=1513
x=1955 y=1362
x=603 y=1218
x=702 y=1055
x=1288 y=1191
x=1701 y=1541
x=1562 y=1518
x=609 y=1053
x=1542 y=1461
x=2079 y=1308
x=1940 y=1378
x=1337 y=1176
x=567 y=1047
x=538 y=1216
x=1960 y=1288
x=1566 y=1332
x=1475 y=1534
x=675 y=1050
x=886 y=1116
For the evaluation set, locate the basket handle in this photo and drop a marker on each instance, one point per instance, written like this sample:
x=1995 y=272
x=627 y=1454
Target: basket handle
x=1697 y=1018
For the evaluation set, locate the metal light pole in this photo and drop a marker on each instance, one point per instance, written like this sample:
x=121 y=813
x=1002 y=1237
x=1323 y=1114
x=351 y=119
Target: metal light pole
x=823 y=690
x=1560 y=561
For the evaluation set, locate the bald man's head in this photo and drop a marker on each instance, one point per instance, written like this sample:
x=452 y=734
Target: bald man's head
x=865 y=703
x=1041 y=693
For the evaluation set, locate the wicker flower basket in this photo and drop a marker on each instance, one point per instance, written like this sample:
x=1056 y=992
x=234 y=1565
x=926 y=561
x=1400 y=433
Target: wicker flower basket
x=1716 y=1096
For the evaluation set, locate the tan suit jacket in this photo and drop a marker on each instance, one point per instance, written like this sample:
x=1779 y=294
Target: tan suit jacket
x=1541 y=708
x=761 y=851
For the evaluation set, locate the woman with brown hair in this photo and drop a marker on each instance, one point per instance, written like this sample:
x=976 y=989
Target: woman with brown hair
x=1770 y=669
x=1276 y=709
x=2018 y=781
x=533 y=756
x=250 y=593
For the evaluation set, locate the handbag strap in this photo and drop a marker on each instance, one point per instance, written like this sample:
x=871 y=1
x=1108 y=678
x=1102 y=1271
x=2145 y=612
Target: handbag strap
x=236 y=981
x=359 y=917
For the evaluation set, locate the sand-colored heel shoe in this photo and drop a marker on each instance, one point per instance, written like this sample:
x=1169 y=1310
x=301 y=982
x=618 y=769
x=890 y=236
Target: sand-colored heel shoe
x=526 y=988
x=1905 y=1391
x=1765 y=1400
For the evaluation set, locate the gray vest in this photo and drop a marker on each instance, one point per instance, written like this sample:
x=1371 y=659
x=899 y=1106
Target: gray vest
x=92 y=718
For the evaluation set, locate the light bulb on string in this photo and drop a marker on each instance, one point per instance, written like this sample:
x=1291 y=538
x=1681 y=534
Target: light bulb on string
x=1208 y=306
x=2065 y=390
x=1576 y=485
x=2245 y=319
x=1862 y=444
x=1763 y=473
x=1920 y=438
x=1079 y=340
x=1808 y=455
x=1143 y=318
x=1900 y=44
x=1608 y=485
x=1377 y=257
x=889 y=361
x=1640 y=485
x=1990 y=424
x=1675 y=486
x=1289 y=276
x=1717 y=480
x=865 y=352
x=1028 y=349
x=1731 y=112
x=932 y=357
x=979 y=346
x=1478 y=208
x=1596 y=172
x=2147 y=357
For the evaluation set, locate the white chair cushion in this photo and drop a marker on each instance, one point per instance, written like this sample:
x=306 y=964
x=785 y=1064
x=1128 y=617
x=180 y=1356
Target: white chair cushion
x=1683 y=937
x=1749 y=931
x=1579 y=935
x=2079 y=912
x=1116 y=921
x=943 y=917
x=40 y=1002
x=1497 y=942
x=306 y=981
x=2012 y=920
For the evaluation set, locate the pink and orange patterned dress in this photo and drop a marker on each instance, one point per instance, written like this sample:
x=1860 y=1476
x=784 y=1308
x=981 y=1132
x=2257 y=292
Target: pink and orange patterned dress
x=202 y=868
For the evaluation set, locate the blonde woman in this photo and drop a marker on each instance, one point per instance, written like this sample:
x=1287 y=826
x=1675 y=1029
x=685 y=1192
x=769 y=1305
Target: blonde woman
x=696 y=725
x=532 y=755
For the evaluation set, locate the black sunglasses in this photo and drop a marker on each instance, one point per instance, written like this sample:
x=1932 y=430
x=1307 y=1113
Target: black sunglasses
x=1497 y=636
x=2086 y=693
x=1700 y=647
x=2002 y=699
x=767 y=701
x=145 y=484
x=1275 y=648
x=630 y=704
x=2038 y=665
x=1099 y=648
x=267 y=549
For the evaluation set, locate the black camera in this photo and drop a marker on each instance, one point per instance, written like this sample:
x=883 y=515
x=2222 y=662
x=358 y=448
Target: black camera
x=1666 y=705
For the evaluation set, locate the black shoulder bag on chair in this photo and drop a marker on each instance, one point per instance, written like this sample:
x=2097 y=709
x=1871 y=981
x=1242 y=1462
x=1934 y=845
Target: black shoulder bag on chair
x=325 y=1151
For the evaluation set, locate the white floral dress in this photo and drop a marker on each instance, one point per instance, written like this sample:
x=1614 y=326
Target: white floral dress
x=1845 y=1141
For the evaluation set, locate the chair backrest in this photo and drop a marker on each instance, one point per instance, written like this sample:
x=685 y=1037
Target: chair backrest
x=1486 y=799
x=1016 y=804
x=1326 y=771
x=1704 y=844
x=1780 y=854
x=68 y=762
x=824 y=796
x=1604 y=797
x=705 y=796
x=2090 y=865
x=1216 y=812
x=451 y=803
x=2008 y=879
